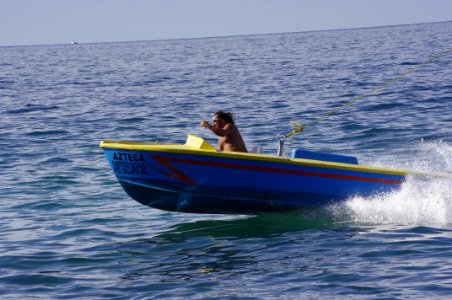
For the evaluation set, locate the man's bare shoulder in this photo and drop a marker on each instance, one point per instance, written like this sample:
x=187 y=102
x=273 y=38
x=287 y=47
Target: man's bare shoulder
x=229 y=128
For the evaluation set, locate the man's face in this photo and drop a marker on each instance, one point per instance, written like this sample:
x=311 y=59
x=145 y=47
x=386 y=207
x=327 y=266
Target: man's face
x=217 y=122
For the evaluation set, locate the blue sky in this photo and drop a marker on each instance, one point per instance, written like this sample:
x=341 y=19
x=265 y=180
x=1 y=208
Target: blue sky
x=31 y=22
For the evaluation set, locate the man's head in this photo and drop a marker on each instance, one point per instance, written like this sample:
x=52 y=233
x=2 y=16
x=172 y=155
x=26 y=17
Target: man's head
x=221 y=117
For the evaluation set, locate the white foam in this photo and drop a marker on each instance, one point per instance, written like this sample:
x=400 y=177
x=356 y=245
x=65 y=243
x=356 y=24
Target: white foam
x=419 y=201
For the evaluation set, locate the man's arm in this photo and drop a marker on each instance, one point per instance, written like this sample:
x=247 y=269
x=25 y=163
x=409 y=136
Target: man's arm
x=218 y=131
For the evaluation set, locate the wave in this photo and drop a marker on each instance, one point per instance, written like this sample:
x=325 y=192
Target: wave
x=424 y=202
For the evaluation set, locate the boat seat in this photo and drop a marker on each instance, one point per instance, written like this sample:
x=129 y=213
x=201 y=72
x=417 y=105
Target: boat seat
x=197 y=142
x=300 y=153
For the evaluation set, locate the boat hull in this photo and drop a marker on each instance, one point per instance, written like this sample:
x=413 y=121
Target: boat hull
x=194 y=180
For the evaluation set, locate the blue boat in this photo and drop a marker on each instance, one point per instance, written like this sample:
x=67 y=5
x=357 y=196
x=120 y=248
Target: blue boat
x=194 y=177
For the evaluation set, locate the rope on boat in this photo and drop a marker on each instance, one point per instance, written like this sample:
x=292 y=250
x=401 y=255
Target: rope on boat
x=298 y=127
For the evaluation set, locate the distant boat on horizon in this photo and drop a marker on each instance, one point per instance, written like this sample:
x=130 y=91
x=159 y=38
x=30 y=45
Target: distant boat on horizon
x=73 y=43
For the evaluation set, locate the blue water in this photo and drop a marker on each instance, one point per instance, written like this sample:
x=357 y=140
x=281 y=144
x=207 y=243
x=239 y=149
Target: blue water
x=68 y=230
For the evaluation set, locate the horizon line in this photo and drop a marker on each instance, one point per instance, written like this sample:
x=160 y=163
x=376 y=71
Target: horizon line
x=77 y=43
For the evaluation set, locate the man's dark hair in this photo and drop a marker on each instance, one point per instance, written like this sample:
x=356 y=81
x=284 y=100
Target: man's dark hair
x=227 y=116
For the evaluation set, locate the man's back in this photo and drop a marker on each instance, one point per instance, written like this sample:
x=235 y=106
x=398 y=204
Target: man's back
x=232 y=140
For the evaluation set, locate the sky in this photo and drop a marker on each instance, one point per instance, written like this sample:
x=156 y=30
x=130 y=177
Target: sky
x=36 y=22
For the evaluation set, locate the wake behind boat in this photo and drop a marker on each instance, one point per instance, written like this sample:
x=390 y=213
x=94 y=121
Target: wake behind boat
x=194 y=177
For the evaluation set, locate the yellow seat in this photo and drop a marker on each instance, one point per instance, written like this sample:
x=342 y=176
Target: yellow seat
x=197 y=142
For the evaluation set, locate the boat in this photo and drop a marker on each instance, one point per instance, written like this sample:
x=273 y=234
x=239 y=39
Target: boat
x=196 y=178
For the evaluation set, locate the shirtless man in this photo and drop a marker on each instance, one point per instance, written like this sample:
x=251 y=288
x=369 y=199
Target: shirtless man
x=229 y=138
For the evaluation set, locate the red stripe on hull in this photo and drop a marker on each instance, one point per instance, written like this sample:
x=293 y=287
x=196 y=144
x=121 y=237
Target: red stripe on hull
x=179 y=175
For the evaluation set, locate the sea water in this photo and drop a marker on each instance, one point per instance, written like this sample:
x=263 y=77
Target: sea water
x=68 y=230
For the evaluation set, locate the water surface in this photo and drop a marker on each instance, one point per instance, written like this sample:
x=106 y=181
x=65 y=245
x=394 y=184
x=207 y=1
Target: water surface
x=68 y=230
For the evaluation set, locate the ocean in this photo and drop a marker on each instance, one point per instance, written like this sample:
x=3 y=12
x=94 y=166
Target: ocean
x=68 y=230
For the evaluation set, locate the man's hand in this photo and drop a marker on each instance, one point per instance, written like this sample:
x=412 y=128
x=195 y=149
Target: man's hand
x=205 y=124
